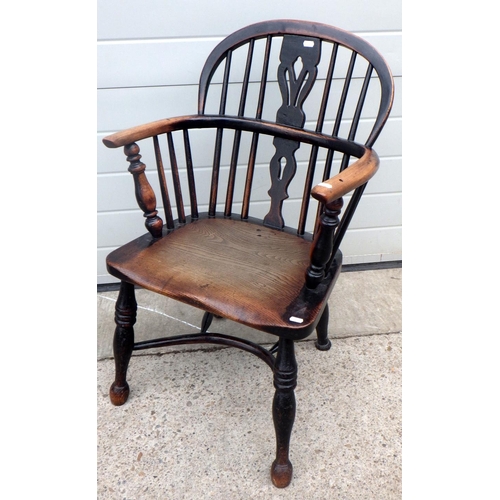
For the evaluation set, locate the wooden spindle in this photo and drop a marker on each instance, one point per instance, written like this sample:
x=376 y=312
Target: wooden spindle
x=212 y=205
x=246 y=79
x=346 y=218
x=225 y=84
x=255 y=138
x=361 y=102
x=263 y=79
x=357 y=114
x=232 y=173
x=176 y=179
x=314 y=149
x=336 y=128
x=249 y=177
x=237 y=134
x=144 y=193
x=343 y=97
x=327 y=88
x=190 y=176
x=307 y=191
x=163 y=185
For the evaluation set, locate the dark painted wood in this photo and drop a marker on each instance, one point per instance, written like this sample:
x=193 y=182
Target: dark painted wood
x=285 y=381
x=296 y=52
x=268 y=274
x=322 y=248
x=279 y=27
x=323 y=343
x=123 y=342
x=159 y=127
x=190 y=175
x=167 y=207
x=210 y=338
x=179 y=201
x=206 y=322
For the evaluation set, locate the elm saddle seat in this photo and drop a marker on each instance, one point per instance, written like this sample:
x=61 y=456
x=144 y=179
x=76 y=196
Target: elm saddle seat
x=260 y=286
x=232 y=256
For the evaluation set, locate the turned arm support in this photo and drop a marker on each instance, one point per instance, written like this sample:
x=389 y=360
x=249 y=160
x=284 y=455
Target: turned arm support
x=144 y=193
x=330 y=193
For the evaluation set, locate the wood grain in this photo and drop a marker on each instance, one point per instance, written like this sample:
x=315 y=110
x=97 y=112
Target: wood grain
x=239 y=270
x=354 y=176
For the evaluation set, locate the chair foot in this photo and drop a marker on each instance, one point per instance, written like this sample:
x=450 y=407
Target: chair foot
x=281 y=474
x=323 y=347
x=119 y=395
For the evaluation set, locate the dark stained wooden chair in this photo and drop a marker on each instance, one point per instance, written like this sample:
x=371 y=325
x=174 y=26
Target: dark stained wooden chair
x=234 y=175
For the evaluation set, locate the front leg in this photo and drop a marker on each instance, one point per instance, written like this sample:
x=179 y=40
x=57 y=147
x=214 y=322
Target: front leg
x=123 y=342
x=285 y=381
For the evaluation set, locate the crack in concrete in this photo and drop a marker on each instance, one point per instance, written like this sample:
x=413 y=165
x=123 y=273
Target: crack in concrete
x=157 y=312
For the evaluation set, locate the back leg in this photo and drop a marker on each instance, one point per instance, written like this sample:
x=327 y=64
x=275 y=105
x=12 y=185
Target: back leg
x=206 y=322
x=323 y=342
x=123 y=342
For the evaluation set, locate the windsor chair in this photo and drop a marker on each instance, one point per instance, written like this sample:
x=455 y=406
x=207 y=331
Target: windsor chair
x=227 y=250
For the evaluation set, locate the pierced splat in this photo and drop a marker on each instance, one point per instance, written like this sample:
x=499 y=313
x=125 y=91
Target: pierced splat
x=296 y=75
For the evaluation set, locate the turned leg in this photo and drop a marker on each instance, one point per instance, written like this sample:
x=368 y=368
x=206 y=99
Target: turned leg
x=123 y=342
x=285 y=381
x=323 y=342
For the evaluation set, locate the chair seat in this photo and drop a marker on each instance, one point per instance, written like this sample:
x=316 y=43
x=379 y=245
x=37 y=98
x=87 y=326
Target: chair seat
x=236 y=269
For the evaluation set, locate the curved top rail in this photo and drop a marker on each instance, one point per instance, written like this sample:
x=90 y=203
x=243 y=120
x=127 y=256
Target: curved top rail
x=303 y=28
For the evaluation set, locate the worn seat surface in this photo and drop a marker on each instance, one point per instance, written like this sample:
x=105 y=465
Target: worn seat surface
x=215 y=262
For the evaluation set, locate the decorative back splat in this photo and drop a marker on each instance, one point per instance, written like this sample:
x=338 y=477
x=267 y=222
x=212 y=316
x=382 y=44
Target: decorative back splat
x=296 y=75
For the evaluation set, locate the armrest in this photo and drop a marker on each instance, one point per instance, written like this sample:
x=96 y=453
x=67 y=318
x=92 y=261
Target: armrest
x=330 y=194
x=135 y=134
x=349 y=179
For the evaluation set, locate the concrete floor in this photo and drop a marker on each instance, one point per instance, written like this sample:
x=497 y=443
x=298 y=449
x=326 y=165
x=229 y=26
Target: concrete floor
x=198 y=421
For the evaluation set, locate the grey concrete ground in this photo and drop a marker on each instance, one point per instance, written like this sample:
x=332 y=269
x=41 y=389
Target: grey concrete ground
x=198 y=421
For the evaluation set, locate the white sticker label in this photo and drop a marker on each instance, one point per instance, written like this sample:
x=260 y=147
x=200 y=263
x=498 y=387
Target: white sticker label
x=296 y=320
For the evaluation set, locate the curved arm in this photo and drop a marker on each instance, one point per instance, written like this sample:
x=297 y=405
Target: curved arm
x=217 y=121
x=357 y=174
x=145 y=131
